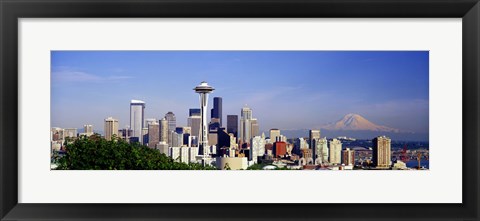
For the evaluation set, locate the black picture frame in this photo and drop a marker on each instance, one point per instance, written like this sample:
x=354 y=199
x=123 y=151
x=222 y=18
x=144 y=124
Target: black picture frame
x=12 y=10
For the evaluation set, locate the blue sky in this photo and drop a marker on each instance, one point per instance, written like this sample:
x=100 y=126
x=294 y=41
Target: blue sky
x=285 y=89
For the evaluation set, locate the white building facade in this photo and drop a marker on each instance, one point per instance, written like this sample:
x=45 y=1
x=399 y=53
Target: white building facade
x=137 y=111
x=335 y=151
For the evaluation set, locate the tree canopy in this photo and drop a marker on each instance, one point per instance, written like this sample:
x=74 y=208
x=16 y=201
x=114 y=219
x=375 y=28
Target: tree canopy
x=96 y=153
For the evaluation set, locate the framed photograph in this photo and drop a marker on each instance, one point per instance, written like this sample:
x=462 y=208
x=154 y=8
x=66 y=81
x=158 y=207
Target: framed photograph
x=253 y=110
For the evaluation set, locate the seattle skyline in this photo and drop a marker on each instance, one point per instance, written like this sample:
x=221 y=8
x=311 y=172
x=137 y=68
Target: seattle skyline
x=285 y=89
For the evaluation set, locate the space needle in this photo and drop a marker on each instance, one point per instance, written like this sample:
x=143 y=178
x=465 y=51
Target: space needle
x=203 y=89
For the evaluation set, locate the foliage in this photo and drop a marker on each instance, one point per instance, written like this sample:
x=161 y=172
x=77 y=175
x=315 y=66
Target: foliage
x=261 y=165
x=256 y=167
x=96 y=153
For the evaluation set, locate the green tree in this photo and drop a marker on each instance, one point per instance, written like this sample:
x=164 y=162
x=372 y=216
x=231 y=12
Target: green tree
x=96 y=153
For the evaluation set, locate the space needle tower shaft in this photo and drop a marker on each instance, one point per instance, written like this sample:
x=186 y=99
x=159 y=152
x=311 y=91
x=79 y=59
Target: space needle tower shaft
x=203 y=90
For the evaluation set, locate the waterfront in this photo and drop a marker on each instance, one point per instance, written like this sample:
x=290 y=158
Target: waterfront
x=414 y=164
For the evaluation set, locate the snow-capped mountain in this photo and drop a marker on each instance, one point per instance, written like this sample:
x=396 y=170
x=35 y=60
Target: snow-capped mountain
x=357 y=122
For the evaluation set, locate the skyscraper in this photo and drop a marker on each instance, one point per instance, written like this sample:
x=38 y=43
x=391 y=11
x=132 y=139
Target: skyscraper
x=381 y=154
x=163 y=130
x=223 y=138
x=194 y=122
x=194 y=112
x=258 y=147
x=214 y=125
x=57 y=134
x=274 y=135
x=88 y=129
x=153 y=134
x=203 y=90
x=150 y=121
x=322 y=150
x=279 y=149
x=255 y=127
x=217 y=109
x=232 y=124
x=348 y=157
x=70 y=132
x=137 y=110
x=301 y=143
x=245 y=125
x=111 y=128
x=172 y=124
x=172 y=121
x=144 y=138
x=335 y=151
x=313 y=138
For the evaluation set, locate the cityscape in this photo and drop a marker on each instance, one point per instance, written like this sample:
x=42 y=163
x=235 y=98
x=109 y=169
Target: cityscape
x=211 y=138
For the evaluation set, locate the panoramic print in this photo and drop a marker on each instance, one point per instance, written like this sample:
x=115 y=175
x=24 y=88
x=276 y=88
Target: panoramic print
x=239 y=110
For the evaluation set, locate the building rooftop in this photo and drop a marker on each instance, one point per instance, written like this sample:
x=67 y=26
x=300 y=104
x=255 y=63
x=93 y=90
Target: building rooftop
x=137 y=102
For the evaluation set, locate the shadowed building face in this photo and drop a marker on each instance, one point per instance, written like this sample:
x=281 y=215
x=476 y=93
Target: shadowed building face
x=232 y=124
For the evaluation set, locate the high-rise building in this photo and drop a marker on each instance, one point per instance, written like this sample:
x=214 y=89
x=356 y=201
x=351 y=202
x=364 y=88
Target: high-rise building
x=314 y=136
x=279 y=149
x=255 y=127
x=137 y=111
x=258 y=147
x=56 y=138
x=193 y=141
x=144 y=138
x=153 y=134
x=187 y=132
x=88 y=129
x=111 y=128
x=306 y=153
x=194 y=112
x=348 y=157
x=177 y=139
x=232 y=124
x=223 y=138
x=162 y=146
x=214 y=125
x=381 y=154
x=149 y=121
x=301 y=143
x=182 y=135
x=172 y=124
x=245 y=125
x=335 y=151
x=322 y=150
x=194 y=122
x=274 y=135
x=163 y=130
x=217 y=109
x=57 y=134
x=125 y=133
x=212 y=138
x=172 y=121
x=203 y=90
x=70 y=132
x=174 y=153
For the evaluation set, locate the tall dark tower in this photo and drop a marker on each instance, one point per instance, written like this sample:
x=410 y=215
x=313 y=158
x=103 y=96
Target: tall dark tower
x=232 y=125
x=217 y=109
